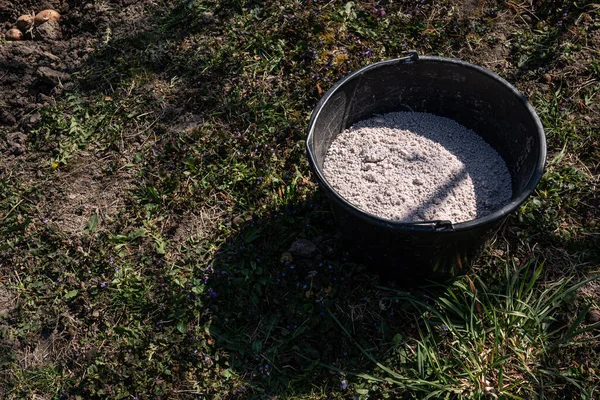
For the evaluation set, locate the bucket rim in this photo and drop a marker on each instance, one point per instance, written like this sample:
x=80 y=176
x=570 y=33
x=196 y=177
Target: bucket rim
x=423 y=226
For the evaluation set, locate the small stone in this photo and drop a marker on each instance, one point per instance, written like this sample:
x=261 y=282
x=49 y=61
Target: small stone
x=35 y=118
x=593 y=316
x=547 y=78
x=45 y=100
x=303 y=248
x=28 y=123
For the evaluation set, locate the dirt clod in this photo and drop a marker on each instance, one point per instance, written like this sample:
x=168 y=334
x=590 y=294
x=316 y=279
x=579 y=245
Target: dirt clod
x=6 y=117
x=47 y=31
x=16 y=143
x=52 y=77
x=303 y=248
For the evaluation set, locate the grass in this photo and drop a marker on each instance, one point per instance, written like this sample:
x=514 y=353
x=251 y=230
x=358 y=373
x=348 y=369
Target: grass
x=479 y=341
x=145 y=233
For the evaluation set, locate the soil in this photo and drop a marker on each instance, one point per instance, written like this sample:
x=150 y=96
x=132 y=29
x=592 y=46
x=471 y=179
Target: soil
x=34 y=72
x=85 y=192
x=195 y=225
x=410 y=167
x=7 y=300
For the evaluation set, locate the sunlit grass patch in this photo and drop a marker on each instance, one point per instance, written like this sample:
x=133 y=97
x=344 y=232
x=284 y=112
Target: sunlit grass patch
x=480 y=340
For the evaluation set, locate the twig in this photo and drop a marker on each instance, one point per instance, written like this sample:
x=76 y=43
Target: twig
x=18 y=278
x=584 y=85
x=515 y=7
x=11 y=210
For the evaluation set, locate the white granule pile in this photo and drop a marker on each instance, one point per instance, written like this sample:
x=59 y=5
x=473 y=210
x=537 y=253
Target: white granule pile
x=408 y=166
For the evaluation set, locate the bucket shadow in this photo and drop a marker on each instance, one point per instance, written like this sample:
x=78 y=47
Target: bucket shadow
x=290 y=322
x=272 y=283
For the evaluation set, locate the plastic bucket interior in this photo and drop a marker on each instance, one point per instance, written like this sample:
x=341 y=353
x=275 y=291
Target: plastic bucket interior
x=472 y=96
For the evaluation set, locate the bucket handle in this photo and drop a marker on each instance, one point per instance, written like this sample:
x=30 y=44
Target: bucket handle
x=410 y=55
x=437 y=225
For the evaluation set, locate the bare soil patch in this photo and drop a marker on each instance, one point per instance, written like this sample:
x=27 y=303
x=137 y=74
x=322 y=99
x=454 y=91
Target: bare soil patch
x=84 y=191
x=7 y=300
x=196 y=225
x=34 y=72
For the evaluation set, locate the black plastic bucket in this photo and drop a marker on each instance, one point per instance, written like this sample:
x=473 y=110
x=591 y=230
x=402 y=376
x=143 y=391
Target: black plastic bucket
x=472 y=96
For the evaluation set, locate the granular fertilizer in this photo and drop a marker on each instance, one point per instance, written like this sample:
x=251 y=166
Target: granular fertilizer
x=409 y=166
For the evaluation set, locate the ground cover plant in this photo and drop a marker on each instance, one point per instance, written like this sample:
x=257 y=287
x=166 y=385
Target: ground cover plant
x=161 y=235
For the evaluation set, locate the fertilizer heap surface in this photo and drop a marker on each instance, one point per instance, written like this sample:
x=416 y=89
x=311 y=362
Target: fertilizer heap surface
x=409 y=166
